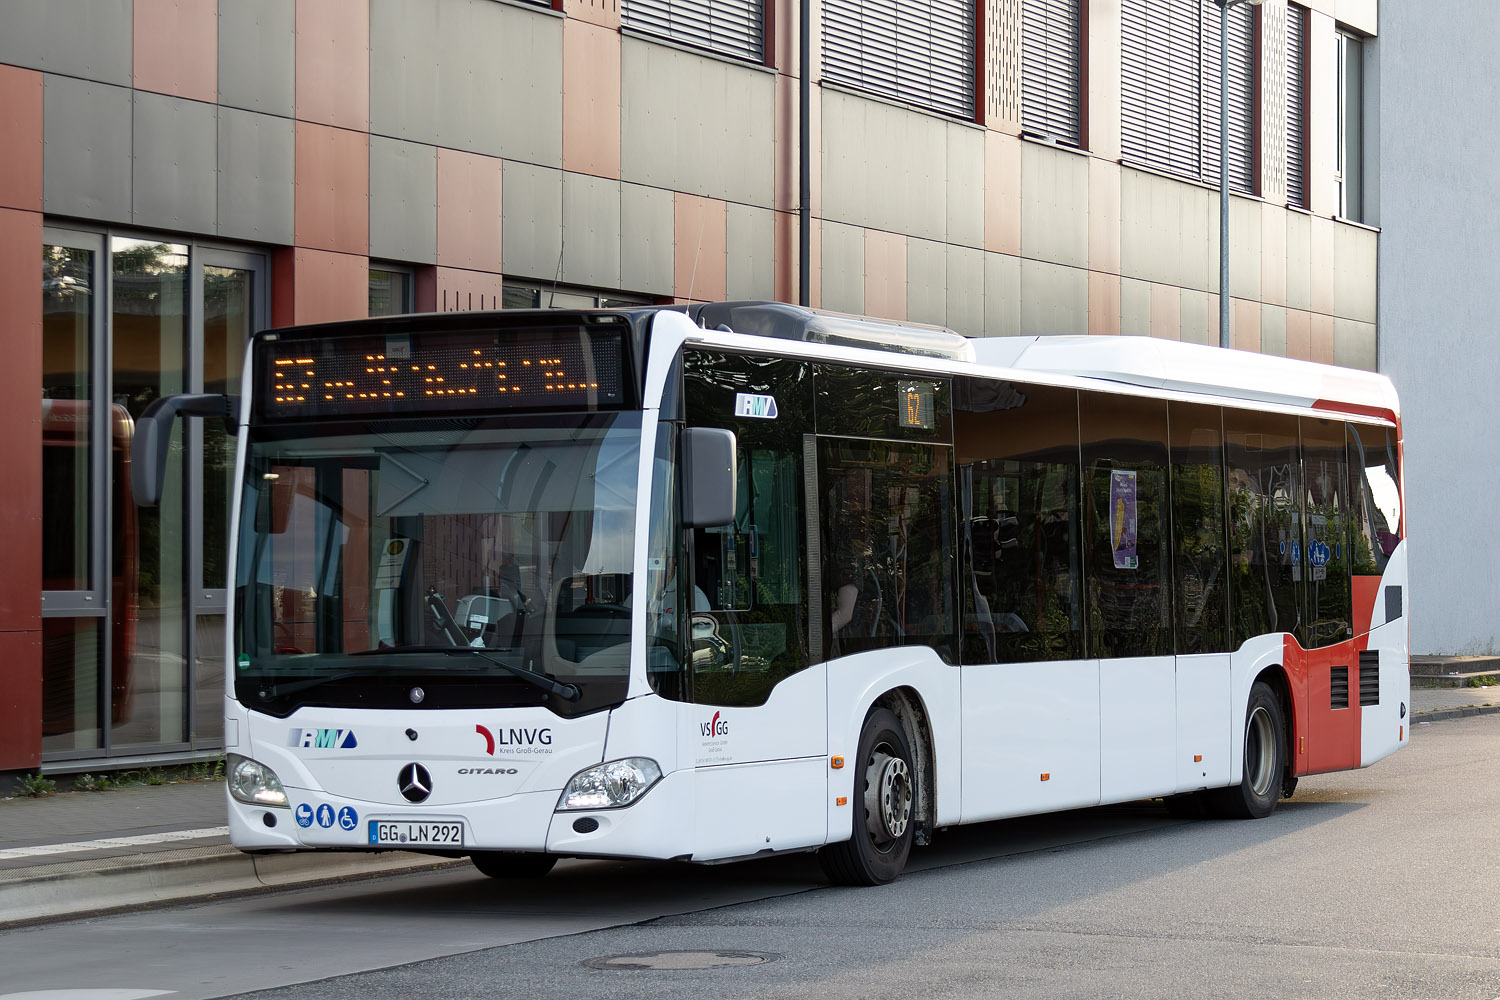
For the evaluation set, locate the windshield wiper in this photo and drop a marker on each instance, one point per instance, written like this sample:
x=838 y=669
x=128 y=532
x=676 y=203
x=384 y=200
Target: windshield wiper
x=568 y=692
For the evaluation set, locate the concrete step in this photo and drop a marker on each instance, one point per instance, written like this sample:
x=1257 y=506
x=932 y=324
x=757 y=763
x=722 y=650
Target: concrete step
x=1453 y=671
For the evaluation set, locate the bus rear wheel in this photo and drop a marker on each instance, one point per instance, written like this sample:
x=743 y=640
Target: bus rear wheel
x=513 y=864
x=1265 y=760
x=884 y=802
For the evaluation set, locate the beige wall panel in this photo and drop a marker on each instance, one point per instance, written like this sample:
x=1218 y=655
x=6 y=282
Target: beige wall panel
x=964 y=186
x=883 y=167
x=1357 y=14
x=843 y=267
x=591 y=99
x=1320 y=245
x=1244 y=325
x=1054 y=205
x=966 y=290
x=1320 y=337
x=1054 y=298
x=1104 y=304
x=1104 y=216
x=591 y=231
x=700 y=235
x=1002 y=295
x=1322 y=127
x=1353 y=343
x=605 y=13
x=787 y=133
x=1244 y=248
x=1298 y=334
x=529 y=54
x=468 y=210
x=531 y=220
x=1273 y=330
x=927 y=282
x=1135 y=307
x=1002 y=193
x=646 y=219
x=749 y=240
x=1298 y=260
x=694 y=124
x=885 y=274
x=457 y=289
x=1273 y=254
x=1102 y=22
x=1200 y=318
x=1354 y=272
x=1166 y=311
x=1166 y=231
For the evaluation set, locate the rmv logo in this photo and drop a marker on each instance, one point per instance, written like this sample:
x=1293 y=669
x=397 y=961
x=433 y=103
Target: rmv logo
x=324 y=739
x=717 y=726
x=747 y=404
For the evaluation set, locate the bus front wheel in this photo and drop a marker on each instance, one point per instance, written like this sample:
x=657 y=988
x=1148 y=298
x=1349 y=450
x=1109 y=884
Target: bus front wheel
x=512 y=864
x=1265 y=760
x=883 y=805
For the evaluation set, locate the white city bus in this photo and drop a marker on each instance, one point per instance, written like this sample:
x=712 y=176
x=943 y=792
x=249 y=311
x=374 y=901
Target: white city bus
x=731 y=580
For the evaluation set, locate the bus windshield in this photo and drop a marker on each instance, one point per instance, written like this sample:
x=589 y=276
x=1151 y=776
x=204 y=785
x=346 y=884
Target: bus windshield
x=438 y=564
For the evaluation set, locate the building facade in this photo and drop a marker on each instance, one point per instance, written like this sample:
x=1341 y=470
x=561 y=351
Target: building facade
x=175 y=174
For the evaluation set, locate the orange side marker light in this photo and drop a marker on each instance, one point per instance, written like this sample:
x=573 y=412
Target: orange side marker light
x=836 y=763
x=1197 y=758
x=1046 y=775
x=842 y=800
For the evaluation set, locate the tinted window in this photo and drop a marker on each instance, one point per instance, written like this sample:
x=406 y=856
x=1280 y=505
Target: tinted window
x=1126 y=529
x=1018 y=449
x=1376 y=499
x=1201 y=587
x=1324 y=566
x=1265 y=522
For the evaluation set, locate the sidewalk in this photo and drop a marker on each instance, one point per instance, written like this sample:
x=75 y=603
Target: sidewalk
x=81 y=853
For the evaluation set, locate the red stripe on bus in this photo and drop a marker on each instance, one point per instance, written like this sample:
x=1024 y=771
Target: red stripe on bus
x=1383 y=412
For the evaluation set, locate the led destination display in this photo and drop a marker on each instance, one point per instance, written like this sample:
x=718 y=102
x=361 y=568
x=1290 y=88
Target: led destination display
x=443 y=372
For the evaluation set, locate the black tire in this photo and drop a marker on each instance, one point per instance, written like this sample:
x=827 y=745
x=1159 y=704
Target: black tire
x=1265 y=761
x=513 y=864
x=884 y=802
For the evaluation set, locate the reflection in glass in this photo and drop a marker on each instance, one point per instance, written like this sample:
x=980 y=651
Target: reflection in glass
x=148 y=329
x=227 y=315
x=390 y=292
x=1202 y=587
x=1324 y=566
x=70 y=685
x=1265 y=522
x=67 y=379
x=208 y=680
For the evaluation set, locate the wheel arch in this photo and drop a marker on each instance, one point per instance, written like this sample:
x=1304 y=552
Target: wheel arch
x=907 y=704
x=1275 y=677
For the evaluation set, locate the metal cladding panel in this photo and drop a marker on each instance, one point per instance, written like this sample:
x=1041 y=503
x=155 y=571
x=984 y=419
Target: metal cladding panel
x=1002 y=295
x=919 y=52
x=89 y=39
x=86 y=155
x=1353 y=343
x=843 y=268
x=1273 y=330
x=646 y=235
x=1054 y=298
x=256 y=55
x=20 y=450
x=750 y=246
x=175 y=164
x=256 y=176
x=728 y=27
x=403 y=200
x=1354 y=255
x=528 y=51
x=964 y=186
x=531 y=220
x=591 y=230
x=21 y=138
x=1051 y=37
x=406 y=100
x=856 y=186
x=965 y=291
x=1054 y=205
x=21 y=700
x=927 y=282
x=695 y=124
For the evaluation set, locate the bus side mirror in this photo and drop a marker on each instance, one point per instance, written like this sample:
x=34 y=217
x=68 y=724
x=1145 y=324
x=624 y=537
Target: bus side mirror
x=708 y=477
x=153 y=434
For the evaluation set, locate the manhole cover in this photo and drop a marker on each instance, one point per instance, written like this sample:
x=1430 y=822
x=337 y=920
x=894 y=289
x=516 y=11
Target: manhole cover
x=682 y=960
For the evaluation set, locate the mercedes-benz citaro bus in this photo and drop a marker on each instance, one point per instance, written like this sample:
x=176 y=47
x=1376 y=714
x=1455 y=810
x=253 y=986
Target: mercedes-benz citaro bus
x=737 y=579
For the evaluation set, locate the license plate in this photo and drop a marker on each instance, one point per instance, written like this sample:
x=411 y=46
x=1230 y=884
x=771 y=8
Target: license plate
x=418 y=833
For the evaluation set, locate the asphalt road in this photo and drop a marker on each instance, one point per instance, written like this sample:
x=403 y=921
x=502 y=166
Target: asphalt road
x=1373 y=883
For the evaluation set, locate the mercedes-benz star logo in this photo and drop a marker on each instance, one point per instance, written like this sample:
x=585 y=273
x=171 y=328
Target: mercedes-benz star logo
x=415 y=783
x=416 y=695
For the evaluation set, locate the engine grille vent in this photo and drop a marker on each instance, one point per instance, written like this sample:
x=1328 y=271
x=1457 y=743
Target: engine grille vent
x=1338 y=687
x=1369 y=677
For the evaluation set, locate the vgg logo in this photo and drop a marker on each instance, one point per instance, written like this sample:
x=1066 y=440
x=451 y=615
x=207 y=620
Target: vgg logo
x=323 y=739
x=714 y=727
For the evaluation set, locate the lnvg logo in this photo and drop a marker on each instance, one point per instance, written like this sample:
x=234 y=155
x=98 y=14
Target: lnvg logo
x=323 y=739
x=717 y=726
x=510 y=739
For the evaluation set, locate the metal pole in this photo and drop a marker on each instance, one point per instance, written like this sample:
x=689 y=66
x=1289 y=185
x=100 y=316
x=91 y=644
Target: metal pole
x=1224 y=339
x=804 y=235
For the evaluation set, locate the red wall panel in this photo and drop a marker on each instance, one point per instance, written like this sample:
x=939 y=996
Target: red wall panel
x=21 y=140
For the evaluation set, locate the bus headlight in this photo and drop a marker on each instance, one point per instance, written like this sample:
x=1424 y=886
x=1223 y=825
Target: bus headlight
x=610 y=785
x=254 y=784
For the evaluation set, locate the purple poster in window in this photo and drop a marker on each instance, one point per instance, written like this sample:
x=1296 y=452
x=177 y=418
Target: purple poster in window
x=1122 y=519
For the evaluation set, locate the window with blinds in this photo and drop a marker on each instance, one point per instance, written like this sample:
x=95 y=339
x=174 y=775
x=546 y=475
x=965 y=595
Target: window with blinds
x=918 y=52
x=729 y=27
x=1169 y=89
x=1296 y=105
x=1051 y=35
